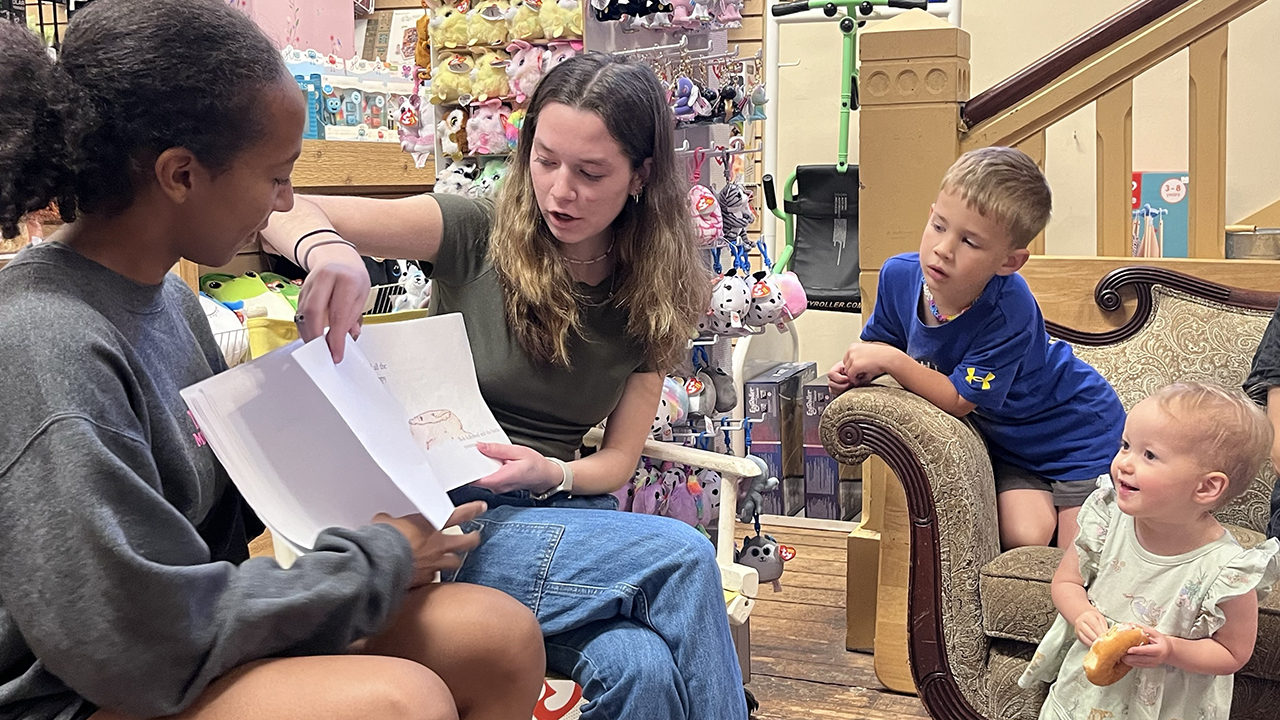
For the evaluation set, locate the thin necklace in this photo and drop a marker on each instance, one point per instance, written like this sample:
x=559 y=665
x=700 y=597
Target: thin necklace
x=933 y=307
x=592 y=261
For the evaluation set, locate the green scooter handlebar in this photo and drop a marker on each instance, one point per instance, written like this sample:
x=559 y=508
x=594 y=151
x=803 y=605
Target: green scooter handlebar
x=798 y=6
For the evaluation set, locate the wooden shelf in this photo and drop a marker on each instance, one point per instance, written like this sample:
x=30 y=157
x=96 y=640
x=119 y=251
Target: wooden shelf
x=365 y=167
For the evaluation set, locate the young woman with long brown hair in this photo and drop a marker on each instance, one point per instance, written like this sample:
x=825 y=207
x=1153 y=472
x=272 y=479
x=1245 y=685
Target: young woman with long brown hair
x=580 y=288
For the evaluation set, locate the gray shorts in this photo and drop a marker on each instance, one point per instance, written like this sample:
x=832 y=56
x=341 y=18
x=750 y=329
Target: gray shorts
x=1065 y=493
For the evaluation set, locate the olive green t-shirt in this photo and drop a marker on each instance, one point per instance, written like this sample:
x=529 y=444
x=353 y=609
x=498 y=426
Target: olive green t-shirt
x=546 y=407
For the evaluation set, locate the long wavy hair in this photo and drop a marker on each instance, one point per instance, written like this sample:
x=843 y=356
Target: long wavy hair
x=662 y=282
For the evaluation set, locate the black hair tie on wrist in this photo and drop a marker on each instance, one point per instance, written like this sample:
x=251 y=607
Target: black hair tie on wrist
x=298 y=244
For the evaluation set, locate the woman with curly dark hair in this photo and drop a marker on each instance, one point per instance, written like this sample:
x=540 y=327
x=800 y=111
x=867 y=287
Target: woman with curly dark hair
x=167 y=129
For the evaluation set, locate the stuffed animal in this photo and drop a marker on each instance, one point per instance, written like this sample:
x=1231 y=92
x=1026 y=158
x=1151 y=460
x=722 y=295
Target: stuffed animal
x=728 y=13
x=686 y=91
x=487 y=24
x=561 y=19
x=452 y=130
x=286 y=288
x=758 y=101
x=417 y=290
x=559 y=51
x=651 y=495
x=736 y=213
x=730 y=300
x=681 y=503
x=702 y=394
x=525 y=68
x=486 y=130
x=793 y=294
x=249 y=288
x=489 y=79
x=514 y=123
x=726 y=393
x=766 y=555
x=413 y=139
x=490 y=179
x=767 y=305
x=457 y=176
x=524 y=21
x=706 y=214
x=448 y=25
x=682 y=14
x=709 y=498
x=673 y=408
x=751 y=500
x=227 y=330
x=422 y=49
x=451 y=80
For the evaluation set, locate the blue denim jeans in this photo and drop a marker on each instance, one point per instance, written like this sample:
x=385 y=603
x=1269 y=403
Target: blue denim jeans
x=630 y=605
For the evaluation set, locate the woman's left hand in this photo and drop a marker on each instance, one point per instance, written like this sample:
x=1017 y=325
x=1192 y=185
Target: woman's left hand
x=522 y=468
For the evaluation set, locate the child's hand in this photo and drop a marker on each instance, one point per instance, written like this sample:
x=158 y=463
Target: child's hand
x=1154 y=654
x=838 y=382
x=864 y=362
x=1090 y=625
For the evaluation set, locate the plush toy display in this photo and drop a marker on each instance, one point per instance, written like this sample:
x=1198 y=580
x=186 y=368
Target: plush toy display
x=751 y=499
x=686 y=90
x=730 y=300
x=448 y=25
x=524 y=69
x=451 y=80
x=524 y=21
x=709 y=498
x=287 y=289
x=486 y=130
x=490 y=179
x=561 y=19
x=489 y=79
x=487 y=24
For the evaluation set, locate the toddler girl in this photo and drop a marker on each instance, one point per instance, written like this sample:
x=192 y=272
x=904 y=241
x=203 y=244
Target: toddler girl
x=1151 y=553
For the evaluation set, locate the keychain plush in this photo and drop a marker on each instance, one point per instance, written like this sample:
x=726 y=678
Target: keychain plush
x=524 y=70
x=448 y=25
x=751 y=498
x=523 y=21
x=766 y=555
x=422 y=49
x=451 y=80
x=709 y=499
x=486 y=130
x=489 y=78
x=686 y=91
x=730 y=300
x=736 y=213
x=673 y=408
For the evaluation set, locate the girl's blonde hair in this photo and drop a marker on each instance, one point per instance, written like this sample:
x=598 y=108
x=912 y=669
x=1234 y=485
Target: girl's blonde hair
x=1229 y=431
x=661 y=280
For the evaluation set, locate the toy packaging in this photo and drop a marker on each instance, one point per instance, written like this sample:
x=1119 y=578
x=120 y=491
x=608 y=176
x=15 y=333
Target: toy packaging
x=773 y=403
x=827 y=495
x=355 y=100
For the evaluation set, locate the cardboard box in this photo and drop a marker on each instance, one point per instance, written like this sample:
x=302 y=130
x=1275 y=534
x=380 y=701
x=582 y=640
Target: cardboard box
x=1167 y=192
x=829 y=492
x=773 y=401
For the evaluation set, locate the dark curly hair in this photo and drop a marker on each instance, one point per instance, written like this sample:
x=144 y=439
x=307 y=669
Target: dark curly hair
x=133 y=79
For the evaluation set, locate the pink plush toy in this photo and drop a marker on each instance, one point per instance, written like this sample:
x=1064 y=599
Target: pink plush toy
x=525 y=69
x=559 y=51
x=651 y=496
x=793 y=295
x=486 y=130
x=706 y=214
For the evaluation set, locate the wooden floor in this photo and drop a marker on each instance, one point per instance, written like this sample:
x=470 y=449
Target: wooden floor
x=799 y=667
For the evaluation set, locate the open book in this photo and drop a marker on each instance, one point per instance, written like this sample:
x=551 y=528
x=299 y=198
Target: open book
x=313 y=445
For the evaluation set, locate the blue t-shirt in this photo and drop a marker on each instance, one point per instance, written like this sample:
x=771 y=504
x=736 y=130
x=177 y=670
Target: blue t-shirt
x=1038 y=405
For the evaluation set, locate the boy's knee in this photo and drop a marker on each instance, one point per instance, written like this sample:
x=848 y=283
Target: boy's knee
x=1025 y=532
x=511 y=649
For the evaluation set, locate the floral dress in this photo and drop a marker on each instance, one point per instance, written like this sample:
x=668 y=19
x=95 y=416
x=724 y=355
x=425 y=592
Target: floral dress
x=1178 y=595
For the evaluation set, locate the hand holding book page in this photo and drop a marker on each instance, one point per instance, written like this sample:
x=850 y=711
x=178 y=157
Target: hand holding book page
x=313 y=445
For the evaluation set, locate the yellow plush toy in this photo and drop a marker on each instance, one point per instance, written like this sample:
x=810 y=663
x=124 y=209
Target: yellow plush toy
x=523 y=21
x=451 y=80
x=449 y=24
x=489 y=79
x=487 y=24
x=561 y=19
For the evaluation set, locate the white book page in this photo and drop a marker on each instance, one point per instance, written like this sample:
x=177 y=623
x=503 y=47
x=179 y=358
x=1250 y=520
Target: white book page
x=428 y=367
x=291 y=454
x=374 y=416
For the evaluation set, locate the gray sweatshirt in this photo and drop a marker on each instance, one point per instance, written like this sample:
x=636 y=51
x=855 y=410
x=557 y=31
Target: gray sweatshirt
x=123 y=579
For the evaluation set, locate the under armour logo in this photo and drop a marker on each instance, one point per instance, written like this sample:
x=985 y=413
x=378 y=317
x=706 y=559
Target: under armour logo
x=972 y=377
